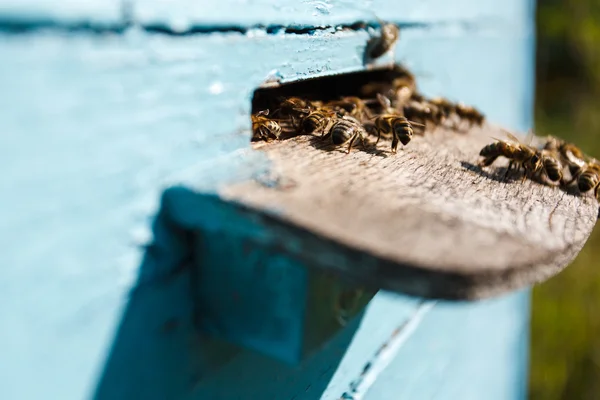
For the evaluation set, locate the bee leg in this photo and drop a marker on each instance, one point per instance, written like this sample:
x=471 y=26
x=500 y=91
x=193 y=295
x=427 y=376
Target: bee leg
x=323 y=132
x=263 y=134
x=352 y=141
x=363 y=141
x=295 y=126
x=395 y=141
x=525 y=174
x=378 y=136
x=327 y=128
x=508 y=169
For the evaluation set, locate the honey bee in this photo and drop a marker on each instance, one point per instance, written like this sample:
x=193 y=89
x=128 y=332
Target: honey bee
x=346 y=130
x=294 y=108
x=470 y=114
x=398 y=126
x=318 y=120
x=391 y=123
x=292 y=105
x=520 y=155
x=423 y=112
x=445 y=106
x=385 y=104
x=403 y=88
x=590 y=179
x=351 y=105
x=569 y=154
x=552 y=167
x=264 y=128
x=381 y=44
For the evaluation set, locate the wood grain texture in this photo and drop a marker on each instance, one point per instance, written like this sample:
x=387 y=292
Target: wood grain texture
x=440 y=225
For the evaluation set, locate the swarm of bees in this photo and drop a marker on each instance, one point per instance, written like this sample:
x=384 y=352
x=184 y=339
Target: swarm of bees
x=552 y=160
x=393 y=111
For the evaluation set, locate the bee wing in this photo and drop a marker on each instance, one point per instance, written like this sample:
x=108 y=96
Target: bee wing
x=511 y=137
x=384 y=101
x=529 y=137
x=415 y=123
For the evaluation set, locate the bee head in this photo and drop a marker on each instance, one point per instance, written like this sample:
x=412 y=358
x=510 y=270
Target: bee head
x=404 y=133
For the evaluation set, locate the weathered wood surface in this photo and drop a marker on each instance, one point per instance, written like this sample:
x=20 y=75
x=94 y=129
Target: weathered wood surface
x=437 y=224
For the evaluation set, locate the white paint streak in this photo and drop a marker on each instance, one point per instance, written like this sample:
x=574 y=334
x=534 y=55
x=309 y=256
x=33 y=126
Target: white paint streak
x=385 y=354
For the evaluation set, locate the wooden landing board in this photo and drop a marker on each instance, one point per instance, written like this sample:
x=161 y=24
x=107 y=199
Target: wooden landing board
x=437 y=224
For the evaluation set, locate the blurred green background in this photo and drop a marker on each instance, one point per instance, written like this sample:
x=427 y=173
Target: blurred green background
x=565 y=333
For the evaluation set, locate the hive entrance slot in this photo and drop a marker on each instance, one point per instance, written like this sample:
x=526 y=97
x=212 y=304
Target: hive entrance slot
x=326 y=88
x=279 y=112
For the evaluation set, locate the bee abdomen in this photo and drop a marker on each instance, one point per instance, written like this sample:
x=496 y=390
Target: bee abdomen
x=403 y=129
x=342 y=131
x=312 y=122
x=553 y=169
x=401 y=122
x=491 y=150
x=587 y=181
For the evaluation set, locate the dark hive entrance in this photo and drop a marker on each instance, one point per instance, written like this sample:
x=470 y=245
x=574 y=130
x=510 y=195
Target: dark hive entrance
x=326 y=88
x=351 y=109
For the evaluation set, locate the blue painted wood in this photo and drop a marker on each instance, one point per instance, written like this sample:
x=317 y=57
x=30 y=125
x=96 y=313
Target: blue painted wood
x=99 y=13
x=184 y=15
x=461 y=360
x=96 y=127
